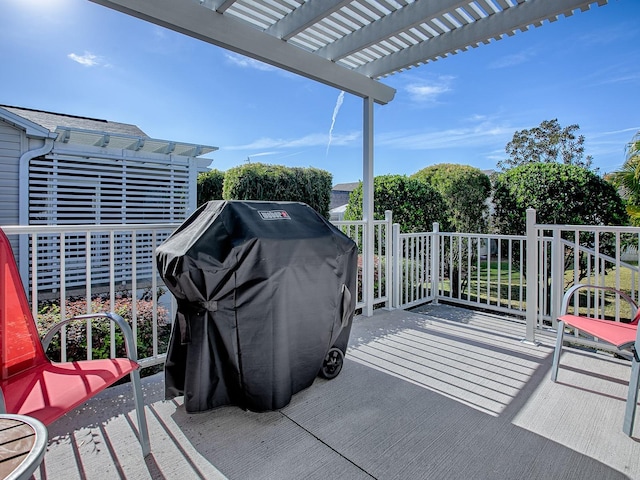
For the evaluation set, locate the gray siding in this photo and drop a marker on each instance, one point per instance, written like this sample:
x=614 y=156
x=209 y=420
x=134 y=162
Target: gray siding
x=10 y=152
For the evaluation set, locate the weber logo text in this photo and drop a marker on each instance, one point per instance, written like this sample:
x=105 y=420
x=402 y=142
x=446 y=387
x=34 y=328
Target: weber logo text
x=274 y=215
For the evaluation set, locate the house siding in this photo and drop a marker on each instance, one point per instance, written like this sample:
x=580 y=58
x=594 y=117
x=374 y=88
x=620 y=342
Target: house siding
x=79 y=181
x=11 y=141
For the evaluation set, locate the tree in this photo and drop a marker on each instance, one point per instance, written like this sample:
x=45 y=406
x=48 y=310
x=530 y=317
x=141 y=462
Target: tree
x=415 y=204
x=548 y=142
x=561 y=194
x=465 y=190
x=627 y=179
x=210 y=186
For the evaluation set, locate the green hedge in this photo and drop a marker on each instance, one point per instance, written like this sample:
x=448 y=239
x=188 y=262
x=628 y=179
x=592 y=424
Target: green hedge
x=210 y=186
x=465 y=190
x=415 y=204
x=258 y=181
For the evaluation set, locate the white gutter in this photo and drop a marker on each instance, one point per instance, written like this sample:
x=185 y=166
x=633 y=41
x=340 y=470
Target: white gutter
x=23 y=201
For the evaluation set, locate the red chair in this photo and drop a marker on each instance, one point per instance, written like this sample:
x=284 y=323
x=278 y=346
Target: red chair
x=622 y=336
x=33 y=385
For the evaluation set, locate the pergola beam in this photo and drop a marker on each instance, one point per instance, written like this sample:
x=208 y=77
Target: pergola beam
x=533 y=12
x=189 y=18
x=304 y=16
x=410 y=16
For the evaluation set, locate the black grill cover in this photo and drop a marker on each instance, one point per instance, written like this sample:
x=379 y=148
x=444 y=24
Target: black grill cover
x=264 y=290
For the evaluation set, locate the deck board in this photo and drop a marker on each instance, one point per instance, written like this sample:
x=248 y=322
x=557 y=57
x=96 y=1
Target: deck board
x=446 y=393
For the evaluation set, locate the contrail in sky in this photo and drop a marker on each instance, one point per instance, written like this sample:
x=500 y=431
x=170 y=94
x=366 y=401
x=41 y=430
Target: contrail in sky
x=336 y=109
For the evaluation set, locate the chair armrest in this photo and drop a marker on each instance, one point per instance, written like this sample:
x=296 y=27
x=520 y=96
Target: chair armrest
x=129 y=341
x=569 y=294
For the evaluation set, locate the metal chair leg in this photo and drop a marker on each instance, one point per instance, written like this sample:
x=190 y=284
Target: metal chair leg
x=632 y=398
x=143 y=431
x=558 y=351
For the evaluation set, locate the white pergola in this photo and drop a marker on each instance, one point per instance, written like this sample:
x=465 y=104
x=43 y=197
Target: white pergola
x=350 y=44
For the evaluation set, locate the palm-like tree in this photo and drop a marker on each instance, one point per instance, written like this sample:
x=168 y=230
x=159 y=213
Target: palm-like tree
x=627 y=179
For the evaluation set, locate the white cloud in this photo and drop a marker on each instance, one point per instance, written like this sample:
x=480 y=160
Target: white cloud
x=513 y=60
x=424 y=91
x=311 y=140
x=610 y=35
x=622 y=77
x=625 y=131
x=484 y=134
x=246 y=62
x=263 y=154
x=88 y=59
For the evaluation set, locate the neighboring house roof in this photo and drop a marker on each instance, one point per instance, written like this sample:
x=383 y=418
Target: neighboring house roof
x=340 y=194
x=345 y=187
x=340 y=209
x=95 y=132
x=32 y=129
x=52 y=120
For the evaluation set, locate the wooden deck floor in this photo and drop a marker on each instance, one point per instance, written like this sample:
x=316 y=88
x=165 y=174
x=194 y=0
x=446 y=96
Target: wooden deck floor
x=446 y=393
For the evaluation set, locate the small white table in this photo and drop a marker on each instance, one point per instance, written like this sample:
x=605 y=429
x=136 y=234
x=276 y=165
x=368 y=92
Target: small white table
x=23 y=441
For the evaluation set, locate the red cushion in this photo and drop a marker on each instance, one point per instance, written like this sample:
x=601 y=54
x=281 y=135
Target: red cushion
x=48 y=391
x=622 y=335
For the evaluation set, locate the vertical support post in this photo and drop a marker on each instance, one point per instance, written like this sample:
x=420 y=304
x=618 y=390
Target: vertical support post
x=397 y=262
x=434 y=274
x=532 y=276
x=192 y=193
x=388 y=256
x=367 y=207
x=557 y=276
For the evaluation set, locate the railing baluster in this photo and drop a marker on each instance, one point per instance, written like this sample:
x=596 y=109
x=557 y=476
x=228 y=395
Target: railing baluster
x=87 y=266
x=112 y=290
x=63 y=298
x=134 y=287
x=154 y=293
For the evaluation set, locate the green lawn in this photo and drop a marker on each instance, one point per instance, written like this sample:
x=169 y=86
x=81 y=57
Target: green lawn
x=490 y=284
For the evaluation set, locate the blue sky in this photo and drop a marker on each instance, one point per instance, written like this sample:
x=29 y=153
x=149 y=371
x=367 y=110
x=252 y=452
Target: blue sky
x=75 y=57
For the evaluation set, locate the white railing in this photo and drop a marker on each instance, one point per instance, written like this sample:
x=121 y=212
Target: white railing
x=97 y=267
x=483 y=270
x=381 y=255
x=415 y=264
x=572 y=254
x=475 y=270
x=73 y=269
x=491 y=271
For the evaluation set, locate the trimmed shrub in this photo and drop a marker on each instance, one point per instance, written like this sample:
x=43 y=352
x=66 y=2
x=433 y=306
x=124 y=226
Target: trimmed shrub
x=415 y=204
x=465 y=190
x=258 y=181
x=561 y=194
x=210 y=186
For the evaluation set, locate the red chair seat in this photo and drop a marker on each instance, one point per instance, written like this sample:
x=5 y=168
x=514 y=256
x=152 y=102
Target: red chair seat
x=48 y=391
x=622 y=335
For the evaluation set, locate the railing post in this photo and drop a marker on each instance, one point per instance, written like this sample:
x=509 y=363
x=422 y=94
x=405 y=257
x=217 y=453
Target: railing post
x=532 y=276
x=397 y=261
x=557 y=276
x=388 y=256
x=434 y=274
